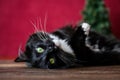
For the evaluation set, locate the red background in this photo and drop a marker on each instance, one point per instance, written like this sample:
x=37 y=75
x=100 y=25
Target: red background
x=15 y=15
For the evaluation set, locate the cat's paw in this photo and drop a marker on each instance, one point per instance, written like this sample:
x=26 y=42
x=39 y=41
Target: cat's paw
x=86 y=28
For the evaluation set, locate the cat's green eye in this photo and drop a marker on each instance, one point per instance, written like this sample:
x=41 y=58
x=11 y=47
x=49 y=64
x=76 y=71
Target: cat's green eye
x=52 y=60
x=39 y=50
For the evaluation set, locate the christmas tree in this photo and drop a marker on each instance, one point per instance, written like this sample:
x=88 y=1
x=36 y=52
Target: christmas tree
x=96 y=14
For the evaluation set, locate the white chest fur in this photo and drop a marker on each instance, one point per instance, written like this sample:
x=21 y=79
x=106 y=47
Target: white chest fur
x=62 y=44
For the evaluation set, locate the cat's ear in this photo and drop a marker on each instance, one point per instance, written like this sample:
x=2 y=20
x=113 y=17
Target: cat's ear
x=21 y=56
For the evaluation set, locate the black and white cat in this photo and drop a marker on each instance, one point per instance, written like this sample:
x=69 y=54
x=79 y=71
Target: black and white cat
x=68 y=47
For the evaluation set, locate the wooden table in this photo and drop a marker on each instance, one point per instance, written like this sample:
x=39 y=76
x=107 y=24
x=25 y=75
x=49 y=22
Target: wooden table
x=18 y=71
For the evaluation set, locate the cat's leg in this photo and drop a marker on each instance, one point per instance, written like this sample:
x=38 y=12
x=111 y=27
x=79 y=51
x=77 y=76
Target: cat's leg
x=81 y=33
x=78 y=39
x=86 y=28
x=83 y=29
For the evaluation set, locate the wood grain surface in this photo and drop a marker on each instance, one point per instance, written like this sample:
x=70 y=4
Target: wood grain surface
x=18 y=71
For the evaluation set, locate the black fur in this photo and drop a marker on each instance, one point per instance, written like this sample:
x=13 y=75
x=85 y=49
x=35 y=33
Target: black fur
x=108 y=52
x=109 y=49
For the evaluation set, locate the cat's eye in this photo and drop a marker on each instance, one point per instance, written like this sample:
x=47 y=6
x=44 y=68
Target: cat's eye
x=52 y=60
x=39 y=50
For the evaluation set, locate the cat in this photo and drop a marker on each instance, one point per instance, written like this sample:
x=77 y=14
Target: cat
x=68 y=47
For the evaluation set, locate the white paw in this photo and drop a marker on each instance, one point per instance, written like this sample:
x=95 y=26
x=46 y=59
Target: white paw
x=86 y=28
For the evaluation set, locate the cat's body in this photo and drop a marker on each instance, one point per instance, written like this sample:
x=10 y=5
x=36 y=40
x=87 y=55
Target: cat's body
x=69 y=46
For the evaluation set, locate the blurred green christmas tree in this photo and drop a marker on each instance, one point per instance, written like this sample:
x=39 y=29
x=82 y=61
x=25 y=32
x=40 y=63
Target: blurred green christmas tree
x=96 y=14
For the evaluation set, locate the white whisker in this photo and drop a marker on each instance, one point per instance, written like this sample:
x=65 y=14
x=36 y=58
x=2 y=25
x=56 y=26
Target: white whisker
x=45 y=23
x=20 y=51
x=36 y=29
x=38 y=24
x=41 y=26
x=34 y=25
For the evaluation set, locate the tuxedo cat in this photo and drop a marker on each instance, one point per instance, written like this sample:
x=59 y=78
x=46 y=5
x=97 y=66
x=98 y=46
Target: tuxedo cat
x=68 y=47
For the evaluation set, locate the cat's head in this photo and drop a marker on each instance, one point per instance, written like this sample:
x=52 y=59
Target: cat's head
x=42 y=52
